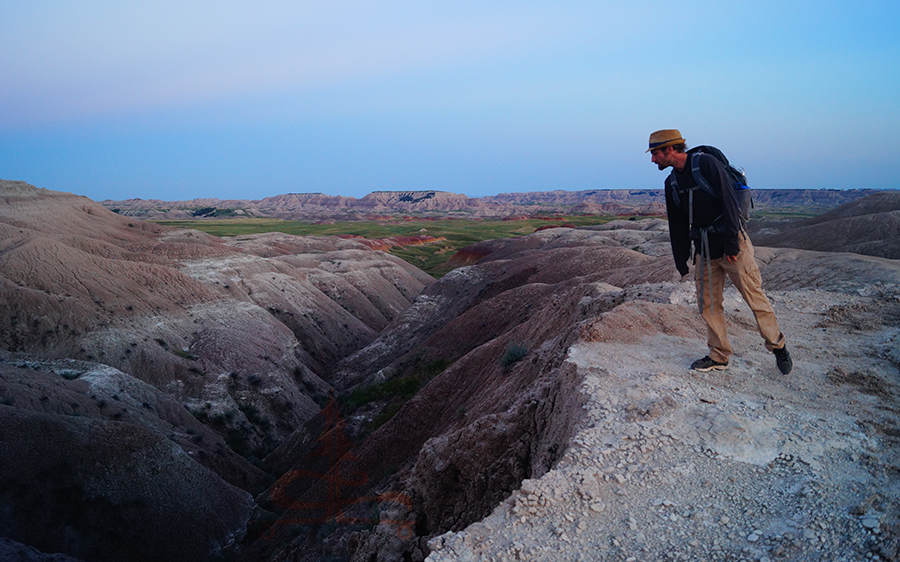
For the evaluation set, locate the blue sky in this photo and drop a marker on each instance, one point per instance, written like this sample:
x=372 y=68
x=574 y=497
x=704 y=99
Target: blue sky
x=183 y=99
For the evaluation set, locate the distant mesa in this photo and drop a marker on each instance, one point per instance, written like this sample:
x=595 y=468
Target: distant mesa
x=443 y=204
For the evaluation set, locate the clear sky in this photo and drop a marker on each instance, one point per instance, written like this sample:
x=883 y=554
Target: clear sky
x=116 y=99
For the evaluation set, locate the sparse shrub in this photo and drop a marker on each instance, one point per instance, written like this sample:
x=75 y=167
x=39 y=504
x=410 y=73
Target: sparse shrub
x=253 y=415
x=201 y=415
x=185 y=354
x=70 y=375
x=402 y=387
x=8 y=401
x=514 y=352
x=385 y=415
x=237 y=441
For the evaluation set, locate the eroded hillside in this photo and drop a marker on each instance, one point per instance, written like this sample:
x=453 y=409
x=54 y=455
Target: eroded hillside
x=869 y=226
x=553 y=334
x=213 y=349
x=302 y=399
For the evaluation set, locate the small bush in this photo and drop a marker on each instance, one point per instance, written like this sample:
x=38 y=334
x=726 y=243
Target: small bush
x=404 y=388
x=201 y=415
x=254 y=416
x=385 y=415
x=513 y=353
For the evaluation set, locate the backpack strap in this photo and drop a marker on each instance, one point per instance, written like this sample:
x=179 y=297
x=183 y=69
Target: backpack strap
x=699 y=178
x=703 y=242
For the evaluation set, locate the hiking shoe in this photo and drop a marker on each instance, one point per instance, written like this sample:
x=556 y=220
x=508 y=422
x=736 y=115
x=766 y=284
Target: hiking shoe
x=783 y=360
x=707 y=364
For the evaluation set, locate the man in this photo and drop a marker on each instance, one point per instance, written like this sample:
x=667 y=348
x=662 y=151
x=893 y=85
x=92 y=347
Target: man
x=721 y=247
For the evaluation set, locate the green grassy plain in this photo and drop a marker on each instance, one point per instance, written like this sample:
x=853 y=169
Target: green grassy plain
x=431 y=258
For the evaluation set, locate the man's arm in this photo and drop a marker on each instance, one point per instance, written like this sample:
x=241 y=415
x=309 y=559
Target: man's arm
x=679 y=233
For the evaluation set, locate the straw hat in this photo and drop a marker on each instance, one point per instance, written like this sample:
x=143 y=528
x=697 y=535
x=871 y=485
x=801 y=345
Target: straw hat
x=664 y=138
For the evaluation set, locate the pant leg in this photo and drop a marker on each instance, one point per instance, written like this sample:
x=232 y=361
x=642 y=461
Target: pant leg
x=744 y=274
x=716 y=334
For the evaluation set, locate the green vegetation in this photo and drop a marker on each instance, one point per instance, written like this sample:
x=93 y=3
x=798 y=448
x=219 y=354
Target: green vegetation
x=184 y=354
x=513 y=353
x=775 y=215
x=431 y=258
x=402 y=388
x=213 y=212
x=395 y=392
x=254 y=416
x=201 y=415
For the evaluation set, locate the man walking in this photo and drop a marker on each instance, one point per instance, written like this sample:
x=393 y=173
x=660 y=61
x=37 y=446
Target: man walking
x=712 y=220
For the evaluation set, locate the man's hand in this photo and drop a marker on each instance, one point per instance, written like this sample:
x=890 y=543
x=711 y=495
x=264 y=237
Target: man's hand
x=731 y=258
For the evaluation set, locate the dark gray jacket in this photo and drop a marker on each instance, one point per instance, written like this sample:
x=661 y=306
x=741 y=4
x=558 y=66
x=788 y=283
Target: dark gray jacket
x=724 y=211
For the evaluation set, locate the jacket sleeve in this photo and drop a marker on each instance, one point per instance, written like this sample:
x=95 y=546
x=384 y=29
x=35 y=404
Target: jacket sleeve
x=719 y=180
x=679 y=232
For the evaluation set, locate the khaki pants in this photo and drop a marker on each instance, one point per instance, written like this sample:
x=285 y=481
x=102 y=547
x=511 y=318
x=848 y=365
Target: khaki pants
x=744 y=275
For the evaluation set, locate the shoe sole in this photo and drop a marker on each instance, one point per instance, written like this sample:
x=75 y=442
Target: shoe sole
x=708 y=369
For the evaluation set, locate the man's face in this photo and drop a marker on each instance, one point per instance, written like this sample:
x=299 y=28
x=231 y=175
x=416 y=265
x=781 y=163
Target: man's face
x=662 y=157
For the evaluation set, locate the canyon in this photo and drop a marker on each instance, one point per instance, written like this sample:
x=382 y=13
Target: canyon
x=167 y=394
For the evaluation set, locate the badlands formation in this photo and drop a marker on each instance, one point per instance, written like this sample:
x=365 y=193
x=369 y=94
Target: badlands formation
x=443 y=204
x=168 y=395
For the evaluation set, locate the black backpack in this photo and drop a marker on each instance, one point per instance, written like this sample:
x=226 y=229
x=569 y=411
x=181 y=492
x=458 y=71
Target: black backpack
x=738 y=180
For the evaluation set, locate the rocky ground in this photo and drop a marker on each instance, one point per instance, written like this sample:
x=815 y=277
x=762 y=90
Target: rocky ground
x=745 y=464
